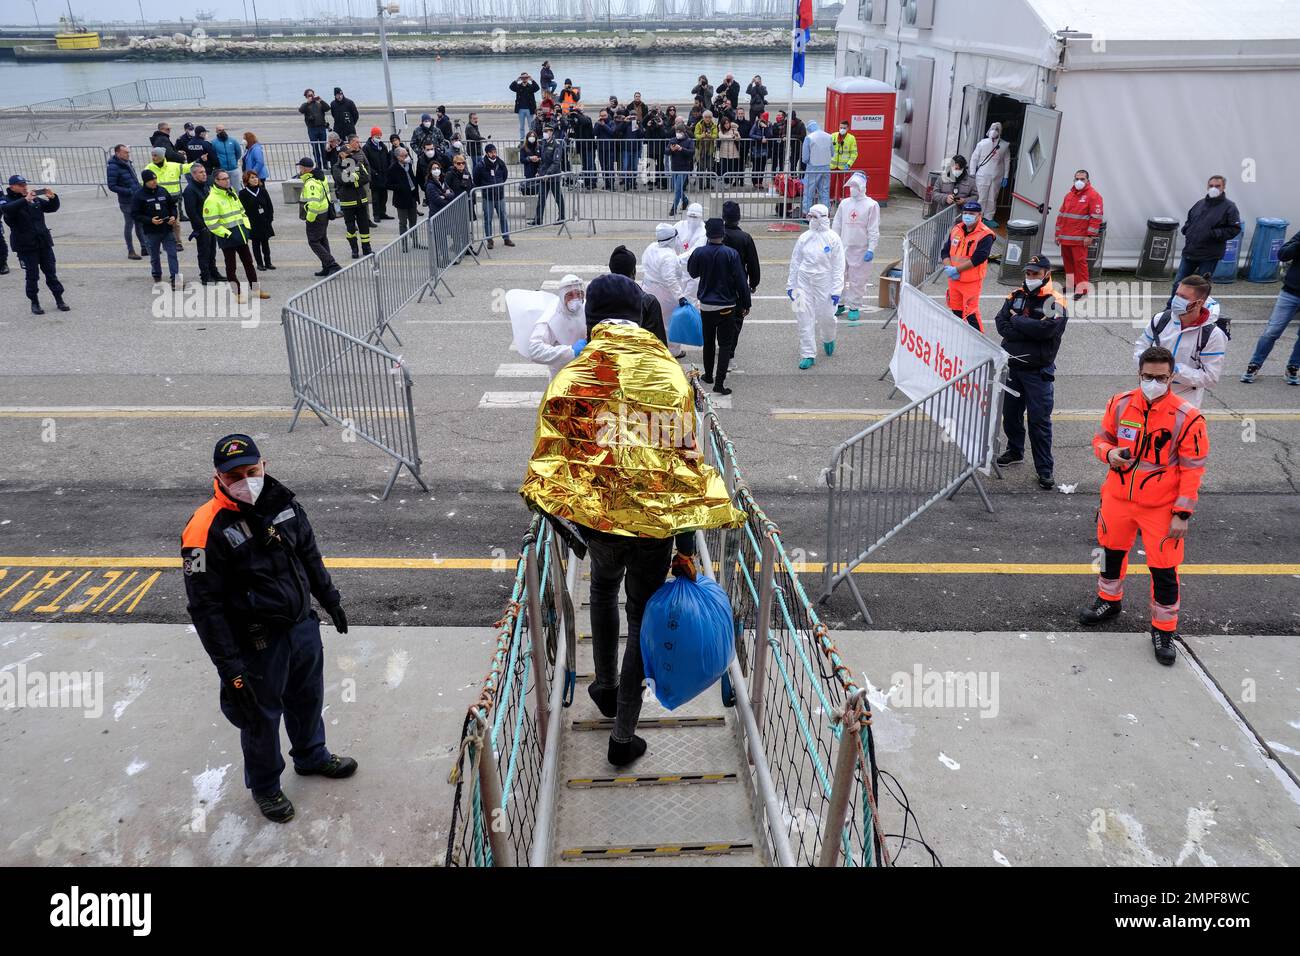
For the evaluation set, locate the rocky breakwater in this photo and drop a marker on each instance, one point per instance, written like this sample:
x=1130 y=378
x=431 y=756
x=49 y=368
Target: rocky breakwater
x=180 y=46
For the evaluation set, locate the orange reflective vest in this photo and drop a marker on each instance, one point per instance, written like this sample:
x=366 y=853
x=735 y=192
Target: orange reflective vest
x=1167 y=444
x=961 y=246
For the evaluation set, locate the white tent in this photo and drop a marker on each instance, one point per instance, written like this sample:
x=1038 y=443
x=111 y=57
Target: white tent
x=1151 y=97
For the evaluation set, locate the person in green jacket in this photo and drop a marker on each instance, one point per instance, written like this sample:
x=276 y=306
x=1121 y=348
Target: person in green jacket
x=224 y=217
x=313 y=208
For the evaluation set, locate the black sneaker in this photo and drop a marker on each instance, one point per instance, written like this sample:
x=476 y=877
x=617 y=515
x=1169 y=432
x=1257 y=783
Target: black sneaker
x=622 y=753
x=1162 y=642
x=322 y=272
x=1046 y=482
x=36 y=309
x=721 y=390
x=706 y=379
x=1010 y=458
x=1099 y=610
x=333 y=269
x=336 y=768
x=62 y=306
x=605 y=699
x=275 y=807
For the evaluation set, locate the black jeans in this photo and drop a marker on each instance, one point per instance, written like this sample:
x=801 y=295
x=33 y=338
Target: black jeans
x=1036 y=398
x=549 y=187
x=318 y=240
x=35 y=262
x=130 y=228
x=206 y=243
x=721 y=329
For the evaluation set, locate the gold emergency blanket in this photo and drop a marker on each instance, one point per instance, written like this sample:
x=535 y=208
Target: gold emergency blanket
x=616 y=446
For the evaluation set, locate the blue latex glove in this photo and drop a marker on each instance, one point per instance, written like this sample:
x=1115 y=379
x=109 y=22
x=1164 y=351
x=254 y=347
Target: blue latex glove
x=1004 y=182
x=952 y=271
x=835 y=299
x=578 y=346
x=869 y=256
x=790 y=293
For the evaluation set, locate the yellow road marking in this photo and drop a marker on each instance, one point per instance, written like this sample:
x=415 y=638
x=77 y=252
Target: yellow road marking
x=497 y=564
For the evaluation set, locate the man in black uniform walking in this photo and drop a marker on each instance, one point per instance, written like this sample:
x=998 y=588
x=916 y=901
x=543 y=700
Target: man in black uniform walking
x=251 y=569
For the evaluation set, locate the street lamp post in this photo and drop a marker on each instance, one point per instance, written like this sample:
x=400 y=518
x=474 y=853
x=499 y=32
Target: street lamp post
x=383 y=9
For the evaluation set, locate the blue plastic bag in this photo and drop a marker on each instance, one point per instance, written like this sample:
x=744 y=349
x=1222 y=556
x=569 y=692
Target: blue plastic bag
x=687 y=639
x=685 y=327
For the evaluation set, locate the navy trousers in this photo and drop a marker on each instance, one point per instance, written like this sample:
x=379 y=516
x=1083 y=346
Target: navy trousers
x=288 y=678
x=37 y=261
x=1037 y=392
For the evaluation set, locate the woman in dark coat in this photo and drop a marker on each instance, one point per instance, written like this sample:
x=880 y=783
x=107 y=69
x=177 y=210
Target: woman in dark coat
x=260 y=211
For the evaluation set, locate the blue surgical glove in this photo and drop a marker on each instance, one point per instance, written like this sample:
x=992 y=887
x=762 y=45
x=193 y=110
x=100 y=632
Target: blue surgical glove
x=790 y=293
x=1004 y=182
x=578 y=346
x=835 y=299
x=869 y=256
x=952 y=271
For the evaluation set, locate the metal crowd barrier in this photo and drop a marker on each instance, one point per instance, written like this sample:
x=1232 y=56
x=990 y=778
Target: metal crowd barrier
x=888 y=474
x=355 y=384
x=923 y=246
x=521 y=198
x=53 y=165
x=75 y=111
x=334 y=332
x=506 y=773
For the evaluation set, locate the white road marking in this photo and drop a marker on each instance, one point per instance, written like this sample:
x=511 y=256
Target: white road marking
x=521 y=370
x=510 y=400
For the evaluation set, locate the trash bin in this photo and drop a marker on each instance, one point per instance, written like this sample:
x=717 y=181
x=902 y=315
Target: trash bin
x=1157 y=256
x=1020 y=247
x=1269 y=236
x=1096 y=253
x=931 y=195
x=1226 y=270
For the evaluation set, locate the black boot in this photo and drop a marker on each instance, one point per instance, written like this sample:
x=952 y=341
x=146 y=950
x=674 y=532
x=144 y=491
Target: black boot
x=355 y=252
x=36 y=307
x=365 y=248
x=622 y=753
x=269 y=267
x=1099 y=610
x=1162 y=642
x=62 y=306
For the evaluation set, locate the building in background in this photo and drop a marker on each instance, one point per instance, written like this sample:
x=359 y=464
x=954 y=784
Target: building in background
x=1152 y=98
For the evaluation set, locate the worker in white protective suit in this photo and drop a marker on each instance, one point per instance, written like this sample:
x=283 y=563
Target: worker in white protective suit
x=561 y=332
x=991 y=164
x=857 y=223
x=665 y=277
x=815 y=284
x=690 y=236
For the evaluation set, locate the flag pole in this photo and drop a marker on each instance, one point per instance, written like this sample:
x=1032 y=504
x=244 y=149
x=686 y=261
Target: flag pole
x=789 y=111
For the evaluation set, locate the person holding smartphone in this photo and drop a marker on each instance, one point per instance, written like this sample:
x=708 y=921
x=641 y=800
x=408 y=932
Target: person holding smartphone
x=24 y=211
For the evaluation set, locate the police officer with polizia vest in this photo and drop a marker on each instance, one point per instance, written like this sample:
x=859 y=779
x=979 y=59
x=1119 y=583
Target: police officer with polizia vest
x=1156 y=445
x=1031 y=323
x=252 y=567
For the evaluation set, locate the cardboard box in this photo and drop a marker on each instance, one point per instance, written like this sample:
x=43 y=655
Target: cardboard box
x=889 y=286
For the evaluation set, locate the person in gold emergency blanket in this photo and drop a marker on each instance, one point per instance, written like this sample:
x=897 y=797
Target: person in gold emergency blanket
x=616 y=460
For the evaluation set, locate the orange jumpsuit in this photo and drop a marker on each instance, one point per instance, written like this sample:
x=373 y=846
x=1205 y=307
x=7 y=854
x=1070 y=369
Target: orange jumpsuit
x=1168 y=445
x=964 y=291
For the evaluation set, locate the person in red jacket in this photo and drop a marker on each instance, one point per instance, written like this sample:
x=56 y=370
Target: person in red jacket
x=1078 y=228
x=1156 y=446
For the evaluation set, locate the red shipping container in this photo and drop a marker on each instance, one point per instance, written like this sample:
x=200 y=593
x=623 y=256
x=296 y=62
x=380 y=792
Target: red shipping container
x=868 y=106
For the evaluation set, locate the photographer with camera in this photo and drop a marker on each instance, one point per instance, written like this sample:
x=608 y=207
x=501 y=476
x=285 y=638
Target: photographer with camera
x=525 y=89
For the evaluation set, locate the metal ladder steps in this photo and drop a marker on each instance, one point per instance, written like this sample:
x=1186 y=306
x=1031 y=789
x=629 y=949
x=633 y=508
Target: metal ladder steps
x=650 y=780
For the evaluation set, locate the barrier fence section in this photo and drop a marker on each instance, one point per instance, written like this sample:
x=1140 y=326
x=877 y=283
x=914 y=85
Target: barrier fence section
x=542 y=202
x=71 y=112
x=811 y=718
x=51 y=165
x=506 y=770
x=888 y=474
x=334 y=333
x=923 y=245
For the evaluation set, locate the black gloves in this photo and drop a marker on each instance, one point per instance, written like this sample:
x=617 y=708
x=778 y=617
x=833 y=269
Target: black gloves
x=238 y=694
x=338 y=617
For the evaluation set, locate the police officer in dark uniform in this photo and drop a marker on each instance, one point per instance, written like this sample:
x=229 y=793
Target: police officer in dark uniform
x=251 y=569
x=1031 y=323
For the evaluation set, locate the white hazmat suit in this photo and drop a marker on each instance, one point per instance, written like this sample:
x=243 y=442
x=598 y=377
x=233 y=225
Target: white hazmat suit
x=816 y=274
x=560 y=326
x=690 y=236
x=857 y=223
x=664 y=276
x=991 y=163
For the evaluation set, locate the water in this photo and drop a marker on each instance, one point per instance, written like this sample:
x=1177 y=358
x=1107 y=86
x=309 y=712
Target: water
x=419 y=81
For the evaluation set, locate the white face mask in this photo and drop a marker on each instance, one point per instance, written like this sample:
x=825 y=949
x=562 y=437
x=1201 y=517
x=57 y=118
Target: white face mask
x=435 y=173
x=574 y=306
x=1080 y=184
x=429 y=153
x=1033 y=284
x=546 y=136
x=455 y=143
x=246 y=490
x=1214 y=192
x=427 y=123
x=1178 y=305
x=1153 y=390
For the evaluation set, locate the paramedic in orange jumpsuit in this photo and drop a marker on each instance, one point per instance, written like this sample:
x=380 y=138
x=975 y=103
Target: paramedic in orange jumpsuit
x=1155 y=444
x=965 y=256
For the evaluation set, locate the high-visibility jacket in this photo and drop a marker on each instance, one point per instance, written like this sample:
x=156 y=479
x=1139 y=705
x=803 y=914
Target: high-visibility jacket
x=844 y=150
x=315 y=196
x=1080 y=216
x=224 y=215
x=961 y=246
x=170 y=175
x=1167 y=444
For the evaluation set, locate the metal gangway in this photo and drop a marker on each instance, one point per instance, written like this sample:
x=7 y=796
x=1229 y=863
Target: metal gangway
x=773 y=766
